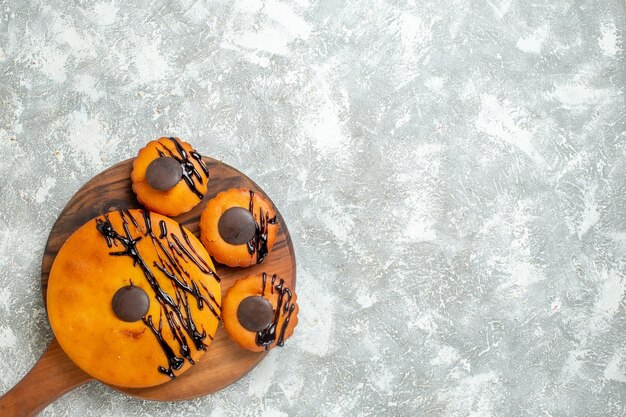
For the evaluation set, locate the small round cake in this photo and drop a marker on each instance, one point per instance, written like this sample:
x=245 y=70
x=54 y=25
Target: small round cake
x=238 y=227
x=133 y=298
x=260 y=312
x=169 y=176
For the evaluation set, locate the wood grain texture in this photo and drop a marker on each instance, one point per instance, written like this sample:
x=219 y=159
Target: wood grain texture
x=223 y=363
x=51 y=377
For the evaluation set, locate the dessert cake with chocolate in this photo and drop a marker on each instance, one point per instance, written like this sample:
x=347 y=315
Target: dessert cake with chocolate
x=238 y=227
x=133 y=298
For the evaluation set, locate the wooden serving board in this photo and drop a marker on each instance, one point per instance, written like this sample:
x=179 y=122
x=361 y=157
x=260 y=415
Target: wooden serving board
x=223 y=363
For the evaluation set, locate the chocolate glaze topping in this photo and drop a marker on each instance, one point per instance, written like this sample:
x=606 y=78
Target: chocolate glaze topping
x=258 y=243
x=189 y=172
x=164 y=173
x=284 y=307
x=237 y=226
x=175 y=307
x=163 y=228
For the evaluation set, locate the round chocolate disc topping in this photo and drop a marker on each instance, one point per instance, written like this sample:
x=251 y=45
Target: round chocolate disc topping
x=130 y=303
x=237 y=226
x=164 y=173
x=255 y=313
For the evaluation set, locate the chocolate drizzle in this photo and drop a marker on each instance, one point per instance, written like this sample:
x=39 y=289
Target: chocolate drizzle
x=130 y=303
x=163 y=228
x=176 y=309
x=258 y=243
x=127 y=213
x=174 y=362
x=265 y=281
x=190 y=172
x=284 y=307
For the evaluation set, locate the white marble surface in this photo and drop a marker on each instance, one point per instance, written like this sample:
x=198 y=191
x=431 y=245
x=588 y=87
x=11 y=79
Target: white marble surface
x=452 y=173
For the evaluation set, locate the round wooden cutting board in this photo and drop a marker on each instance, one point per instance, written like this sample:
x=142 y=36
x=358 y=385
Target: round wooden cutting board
x=223 y=363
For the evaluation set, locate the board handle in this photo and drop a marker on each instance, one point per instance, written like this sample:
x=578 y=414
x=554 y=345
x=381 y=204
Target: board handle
x=53 y=375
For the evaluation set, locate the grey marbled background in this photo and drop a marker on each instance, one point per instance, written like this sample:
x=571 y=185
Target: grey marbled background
x=452 y=173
